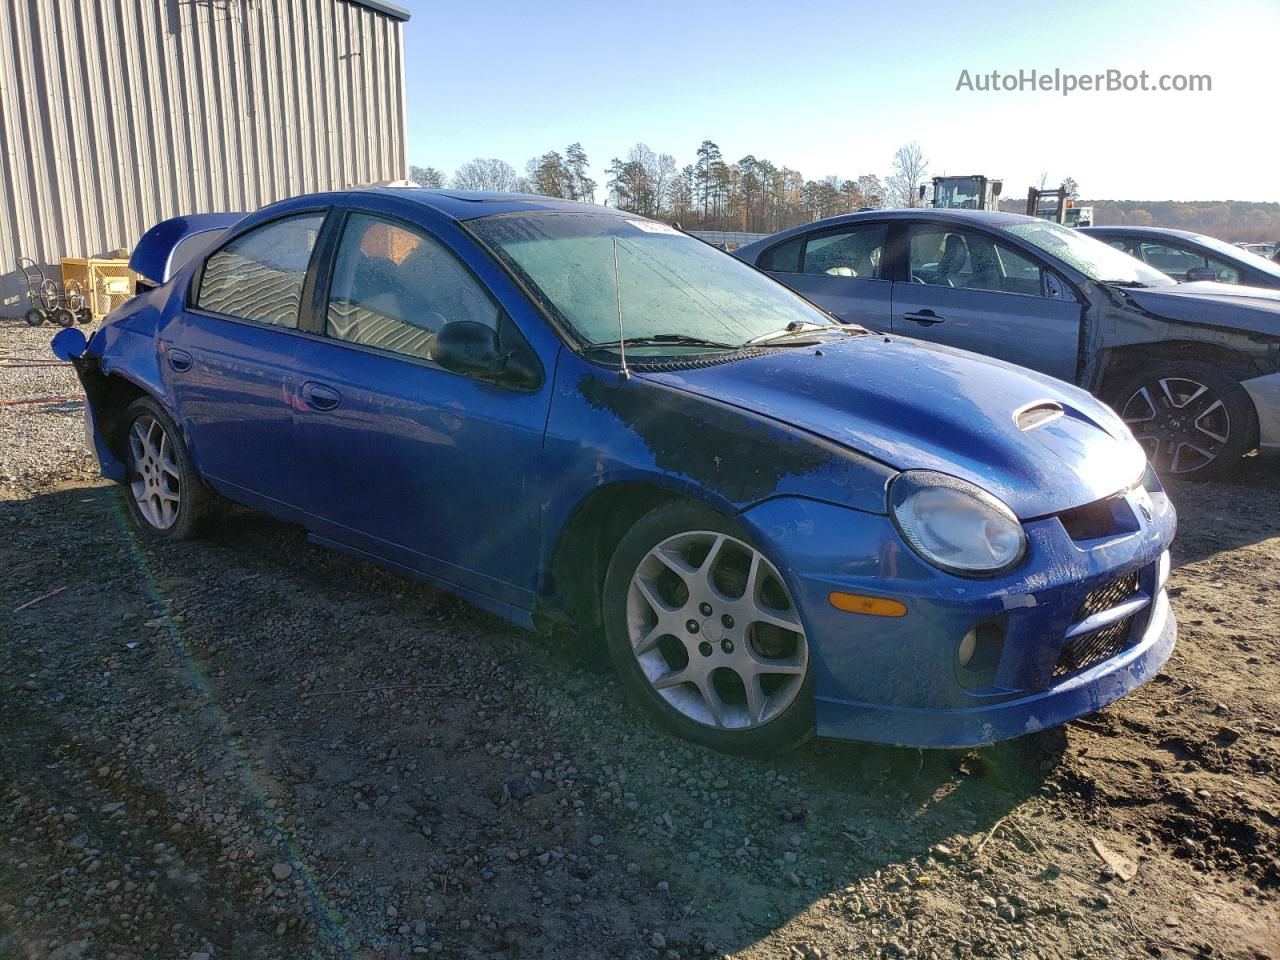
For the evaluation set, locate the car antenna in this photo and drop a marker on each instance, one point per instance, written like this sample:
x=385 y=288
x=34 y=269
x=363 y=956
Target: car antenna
x=622 y=340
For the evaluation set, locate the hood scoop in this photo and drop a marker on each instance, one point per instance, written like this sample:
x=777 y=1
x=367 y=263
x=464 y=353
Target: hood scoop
x=1037 y=414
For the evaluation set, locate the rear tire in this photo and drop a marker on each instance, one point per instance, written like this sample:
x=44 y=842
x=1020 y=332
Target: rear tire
x=704 y=634
x=1194 y=420
x=35 y=316
x=164 y=493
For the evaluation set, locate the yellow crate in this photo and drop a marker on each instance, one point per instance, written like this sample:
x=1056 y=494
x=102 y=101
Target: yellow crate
x=107 y=282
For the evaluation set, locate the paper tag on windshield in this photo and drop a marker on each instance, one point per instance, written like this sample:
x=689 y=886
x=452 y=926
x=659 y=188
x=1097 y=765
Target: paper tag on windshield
x=648 y=226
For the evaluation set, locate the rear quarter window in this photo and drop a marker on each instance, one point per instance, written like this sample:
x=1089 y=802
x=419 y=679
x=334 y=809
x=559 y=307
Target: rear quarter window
x=259 y=275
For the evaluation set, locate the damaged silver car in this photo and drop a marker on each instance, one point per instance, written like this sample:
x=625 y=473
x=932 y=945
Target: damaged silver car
x=1193 y=368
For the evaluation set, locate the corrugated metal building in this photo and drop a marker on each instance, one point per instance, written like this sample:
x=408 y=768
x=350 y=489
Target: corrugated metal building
x=115 y=115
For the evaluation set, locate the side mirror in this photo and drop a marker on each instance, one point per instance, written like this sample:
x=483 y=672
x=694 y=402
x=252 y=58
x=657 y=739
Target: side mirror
x=68 y=344
x=475 y=350
x=922 y=191
x=1201 y=273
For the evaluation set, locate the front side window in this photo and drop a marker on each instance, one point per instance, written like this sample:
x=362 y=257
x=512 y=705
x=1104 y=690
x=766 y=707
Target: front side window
x=259 y=275
x=852 y=251
x=394 y=287
x=1177 y=261
x=972 y=261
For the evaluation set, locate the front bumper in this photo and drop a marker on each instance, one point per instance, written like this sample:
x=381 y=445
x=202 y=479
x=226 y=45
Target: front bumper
x=975 y=726
x=896 y=680
x=1265 y=393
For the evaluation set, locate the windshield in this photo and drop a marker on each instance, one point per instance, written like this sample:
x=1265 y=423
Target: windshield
x=674 y=287
x=1240 y=254
x=1095 y=259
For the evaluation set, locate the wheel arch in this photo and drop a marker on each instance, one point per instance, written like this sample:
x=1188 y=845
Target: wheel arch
x=579 y=555
x=109 y=396
x=1122 y=362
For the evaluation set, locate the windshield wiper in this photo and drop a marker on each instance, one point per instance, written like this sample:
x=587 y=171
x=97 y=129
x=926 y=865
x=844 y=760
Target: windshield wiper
x=1130 y=284
x=658 y=339
x=804 y=330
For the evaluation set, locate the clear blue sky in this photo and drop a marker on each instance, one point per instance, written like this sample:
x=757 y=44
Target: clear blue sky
x=832 y=88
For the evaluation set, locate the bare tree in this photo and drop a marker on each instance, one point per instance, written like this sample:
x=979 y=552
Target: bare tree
x=550 y=176
x=872 y=190
x=909 y=169
x=426 y=176
x=491 y=174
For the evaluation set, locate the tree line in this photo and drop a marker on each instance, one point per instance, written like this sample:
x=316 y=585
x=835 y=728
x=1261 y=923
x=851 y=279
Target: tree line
x=751 y=194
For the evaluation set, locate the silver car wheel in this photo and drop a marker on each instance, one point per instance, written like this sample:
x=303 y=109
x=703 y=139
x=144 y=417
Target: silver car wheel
x=155 y=482
x=715 y=631
x=1181 y=423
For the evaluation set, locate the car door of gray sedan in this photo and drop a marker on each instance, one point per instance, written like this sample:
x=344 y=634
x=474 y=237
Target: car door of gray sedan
x=966 y=290
x=838 y=269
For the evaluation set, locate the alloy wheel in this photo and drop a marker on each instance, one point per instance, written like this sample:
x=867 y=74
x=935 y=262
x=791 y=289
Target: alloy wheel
x=156 y=484
x=715 y=632
x=1182 y=424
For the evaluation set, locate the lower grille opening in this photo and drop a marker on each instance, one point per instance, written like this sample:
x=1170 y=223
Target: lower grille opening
x=1092 y=648
x=1104 y=598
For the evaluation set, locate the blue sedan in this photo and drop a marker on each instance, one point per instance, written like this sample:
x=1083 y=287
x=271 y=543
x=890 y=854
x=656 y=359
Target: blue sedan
x=560 y=412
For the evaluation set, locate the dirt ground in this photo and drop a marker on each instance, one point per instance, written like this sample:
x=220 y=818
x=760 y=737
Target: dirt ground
x=249 y=747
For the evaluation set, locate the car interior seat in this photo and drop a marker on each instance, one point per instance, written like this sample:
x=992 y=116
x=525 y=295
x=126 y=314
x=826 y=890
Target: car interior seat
x=955 y=253
x=985 y=273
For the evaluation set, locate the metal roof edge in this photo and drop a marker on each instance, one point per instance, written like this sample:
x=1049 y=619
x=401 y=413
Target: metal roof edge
x=394 y=11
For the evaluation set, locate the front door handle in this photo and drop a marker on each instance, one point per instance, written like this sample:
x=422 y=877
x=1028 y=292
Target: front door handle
x=926 y=318
x=320 y=397
x=180 y=360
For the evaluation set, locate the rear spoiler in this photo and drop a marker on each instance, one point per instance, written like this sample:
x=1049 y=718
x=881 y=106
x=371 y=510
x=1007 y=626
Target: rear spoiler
x=171 y=243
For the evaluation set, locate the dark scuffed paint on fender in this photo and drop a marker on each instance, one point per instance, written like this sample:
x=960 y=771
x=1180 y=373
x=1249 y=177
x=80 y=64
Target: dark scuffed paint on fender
x=921 y=406
x=692 y=445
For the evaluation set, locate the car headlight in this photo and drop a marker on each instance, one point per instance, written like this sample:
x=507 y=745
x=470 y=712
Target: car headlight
x=955 y=525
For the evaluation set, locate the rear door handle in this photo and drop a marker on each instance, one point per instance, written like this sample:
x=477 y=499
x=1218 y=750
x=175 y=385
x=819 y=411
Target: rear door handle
x=180 y=360
x=320 y=397
x=926 y=318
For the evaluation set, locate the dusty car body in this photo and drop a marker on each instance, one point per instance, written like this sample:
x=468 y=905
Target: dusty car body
x=1193 y=368
x=772 y=534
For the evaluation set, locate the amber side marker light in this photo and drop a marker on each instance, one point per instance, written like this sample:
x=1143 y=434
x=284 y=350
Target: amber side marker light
x=875 y=606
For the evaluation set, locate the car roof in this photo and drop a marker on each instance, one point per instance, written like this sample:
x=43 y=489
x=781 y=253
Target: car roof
x=991 y=219
x=1155 y=231
x=472 y=204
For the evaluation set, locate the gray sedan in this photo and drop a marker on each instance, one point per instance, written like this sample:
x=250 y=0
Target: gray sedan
x=1191 y=256
x=1193 y=368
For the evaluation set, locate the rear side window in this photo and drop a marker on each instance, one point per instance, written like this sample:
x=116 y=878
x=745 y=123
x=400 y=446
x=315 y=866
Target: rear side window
x=259 y=275
x=394 y=287
x=849 y=252
x=784 y=258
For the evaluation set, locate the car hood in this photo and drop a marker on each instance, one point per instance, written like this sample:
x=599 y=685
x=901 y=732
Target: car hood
x=921 y=406
x=1216 y=304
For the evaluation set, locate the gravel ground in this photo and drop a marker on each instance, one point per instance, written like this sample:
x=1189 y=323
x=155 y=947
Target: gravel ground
x=249 y=747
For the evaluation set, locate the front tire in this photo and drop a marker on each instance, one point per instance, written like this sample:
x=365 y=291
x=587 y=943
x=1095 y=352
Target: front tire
x=165 y=495
x=704 y=634
x=1194 y=420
